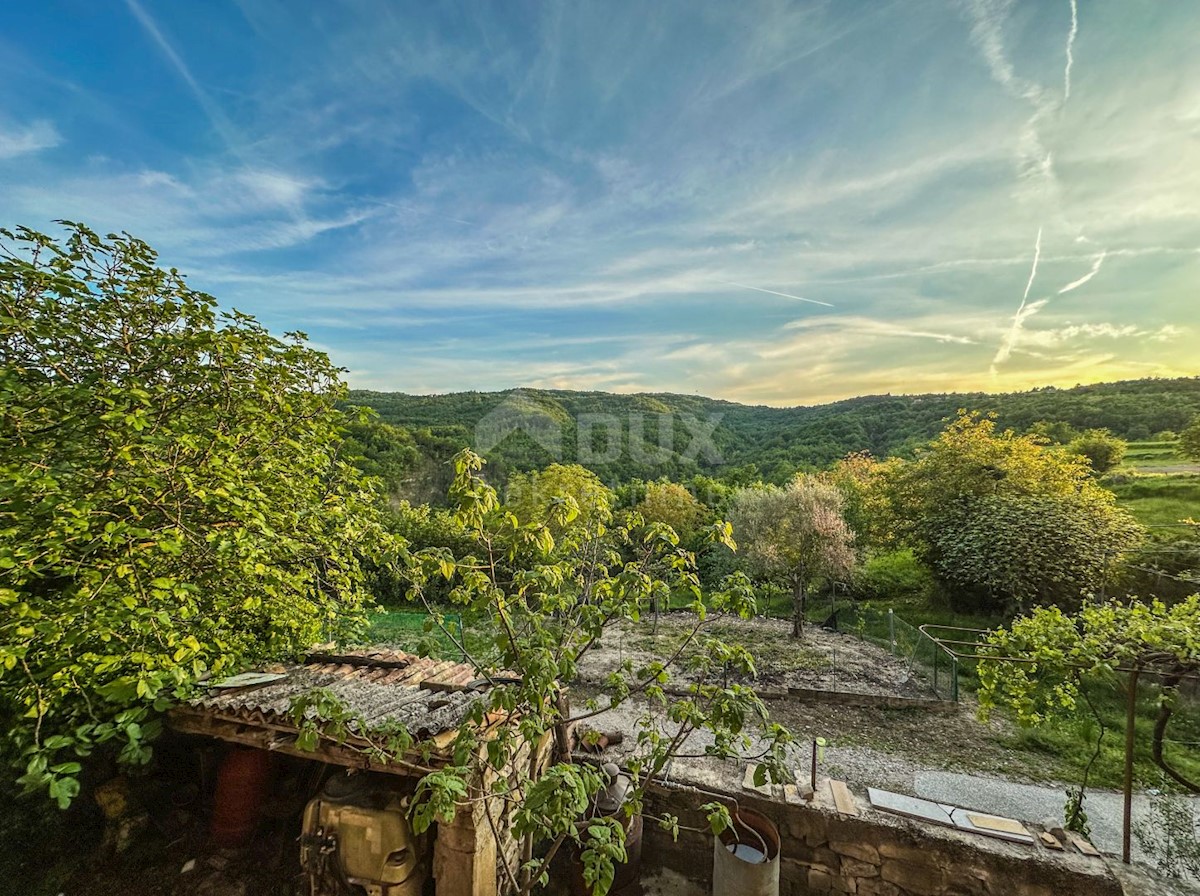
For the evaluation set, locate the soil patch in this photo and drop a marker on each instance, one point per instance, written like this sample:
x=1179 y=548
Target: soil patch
x=821 y=660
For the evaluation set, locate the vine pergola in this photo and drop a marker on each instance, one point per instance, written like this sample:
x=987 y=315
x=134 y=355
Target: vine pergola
x=1169 y=668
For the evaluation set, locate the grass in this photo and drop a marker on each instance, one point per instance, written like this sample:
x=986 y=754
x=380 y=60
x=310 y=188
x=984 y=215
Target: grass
x=1160 y=500
x=1071 y=738
x=406 y=630
x=1140 y=454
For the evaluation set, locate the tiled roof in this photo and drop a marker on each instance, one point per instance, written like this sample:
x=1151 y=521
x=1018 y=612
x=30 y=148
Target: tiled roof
x=429 y=697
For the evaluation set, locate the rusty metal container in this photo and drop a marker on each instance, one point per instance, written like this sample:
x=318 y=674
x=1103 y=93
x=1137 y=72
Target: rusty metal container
x=746 y=857
x=242 y=784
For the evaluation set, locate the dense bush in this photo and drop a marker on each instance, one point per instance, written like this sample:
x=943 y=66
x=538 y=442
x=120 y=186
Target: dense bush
x=1103 y=450
x=894 y=576
x=1004 y=521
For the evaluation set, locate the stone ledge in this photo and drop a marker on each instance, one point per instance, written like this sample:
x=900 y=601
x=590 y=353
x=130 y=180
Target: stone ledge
x=876 y=853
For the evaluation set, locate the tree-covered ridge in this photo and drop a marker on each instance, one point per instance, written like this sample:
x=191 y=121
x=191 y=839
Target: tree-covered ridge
x=777 y=441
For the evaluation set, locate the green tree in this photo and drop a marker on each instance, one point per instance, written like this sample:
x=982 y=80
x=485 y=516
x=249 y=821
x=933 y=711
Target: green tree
x=795 y=536
x=1057 y=431
x=1189 y=440
x=383 y=451
x=1105 y=642
x=419 y=527
x=172 y=501
x=1103 y=450
x=1004 y=521
x=673 y=505
x=861 y=478
x=549 y=608
x=536 y=497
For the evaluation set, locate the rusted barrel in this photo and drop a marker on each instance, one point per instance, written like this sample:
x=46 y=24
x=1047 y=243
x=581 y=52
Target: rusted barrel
x=746 y=857
x=242 y=785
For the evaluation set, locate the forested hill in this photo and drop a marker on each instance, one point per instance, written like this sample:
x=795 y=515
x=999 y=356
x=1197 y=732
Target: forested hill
x=675 y=435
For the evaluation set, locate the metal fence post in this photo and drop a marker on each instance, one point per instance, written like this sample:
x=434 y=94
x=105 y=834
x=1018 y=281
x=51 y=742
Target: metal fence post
x=954 y=681
x=935 y=668
x=892 y=629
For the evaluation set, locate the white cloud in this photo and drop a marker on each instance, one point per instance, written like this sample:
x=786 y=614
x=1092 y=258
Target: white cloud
x=1054 y=338
x=887 y=329
x=18 y=141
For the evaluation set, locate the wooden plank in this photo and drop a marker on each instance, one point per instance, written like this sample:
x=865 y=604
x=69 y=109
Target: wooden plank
x=1049 y=840
x=1082 y=845
x=996 y=823
x=843 y=798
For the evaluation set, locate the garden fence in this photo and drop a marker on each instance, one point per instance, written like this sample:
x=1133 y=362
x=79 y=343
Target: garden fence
x=928 y=662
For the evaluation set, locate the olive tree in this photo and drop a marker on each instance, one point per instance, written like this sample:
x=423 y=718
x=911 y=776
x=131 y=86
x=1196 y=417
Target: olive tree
x=796 y=535
x=172 y=500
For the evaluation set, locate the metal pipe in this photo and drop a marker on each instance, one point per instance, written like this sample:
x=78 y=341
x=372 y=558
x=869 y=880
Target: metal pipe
x=1127 y=811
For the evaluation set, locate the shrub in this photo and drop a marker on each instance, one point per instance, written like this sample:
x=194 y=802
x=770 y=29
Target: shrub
x=894 y=576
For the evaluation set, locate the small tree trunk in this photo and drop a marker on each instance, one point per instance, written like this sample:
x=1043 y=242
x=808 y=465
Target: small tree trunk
x=799 y=597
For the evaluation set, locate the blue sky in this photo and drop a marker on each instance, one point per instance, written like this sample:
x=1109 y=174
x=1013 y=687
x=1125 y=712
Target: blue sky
x=775 y=203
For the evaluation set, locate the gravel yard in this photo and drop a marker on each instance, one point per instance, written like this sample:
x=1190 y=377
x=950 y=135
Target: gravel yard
x=822 y=660
x=866 y=745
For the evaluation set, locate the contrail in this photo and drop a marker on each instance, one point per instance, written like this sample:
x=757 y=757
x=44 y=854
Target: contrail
x=774 y=293
x=1037 y=254
x=1075 y=284
x=215 y=117
x=1009 y=342
x=1070 y=45
x=988 y=17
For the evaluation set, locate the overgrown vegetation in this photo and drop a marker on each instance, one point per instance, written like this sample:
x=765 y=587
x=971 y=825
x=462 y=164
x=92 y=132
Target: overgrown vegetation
x=549 y=575
x=1047 y=663
x=172 y=499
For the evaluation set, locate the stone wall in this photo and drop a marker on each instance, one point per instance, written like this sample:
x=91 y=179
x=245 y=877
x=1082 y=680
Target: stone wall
x=874 y=853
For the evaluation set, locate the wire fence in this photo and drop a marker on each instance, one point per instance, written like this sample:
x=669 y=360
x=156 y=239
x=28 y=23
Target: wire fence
x=937 y=669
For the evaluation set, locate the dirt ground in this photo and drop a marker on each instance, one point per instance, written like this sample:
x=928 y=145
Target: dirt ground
x=865 y=745
x=822 y=659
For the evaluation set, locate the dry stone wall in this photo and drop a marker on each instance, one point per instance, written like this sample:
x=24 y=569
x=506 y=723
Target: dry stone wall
x=874 y=854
